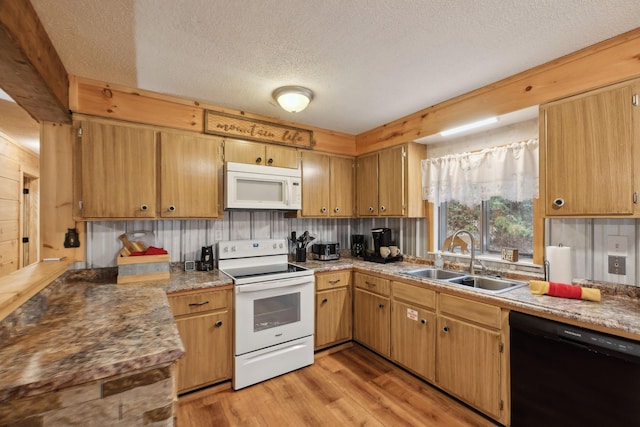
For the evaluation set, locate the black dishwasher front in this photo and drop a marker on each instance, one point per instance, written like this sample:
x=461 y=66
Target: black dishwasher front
x=563 y=375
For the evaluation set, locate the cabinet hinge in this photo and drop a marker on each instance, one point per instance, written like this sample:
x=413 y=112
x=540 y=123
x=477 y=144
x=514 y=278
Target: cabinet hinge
x=404 y=152
x=79 y=204
x=635 y=198
x=634 y=100
x=25 y=240
x=80 y=132
x=501 y=404
x=25 y=191
x=501 y=347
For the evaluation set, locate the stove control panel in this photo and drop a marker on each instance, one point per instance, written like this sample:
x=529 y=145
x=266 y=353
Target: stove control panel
x=251 y=248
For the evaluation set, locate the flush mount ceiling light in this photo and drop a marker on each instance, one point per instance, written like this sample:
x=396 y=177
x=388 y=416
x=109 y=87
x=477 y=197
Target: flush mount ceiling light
x=293 y=98
x=469 y=126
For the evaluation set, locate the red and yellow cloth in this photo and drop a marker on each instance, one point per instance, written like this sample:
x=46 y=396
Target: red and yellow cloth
x=564 y=290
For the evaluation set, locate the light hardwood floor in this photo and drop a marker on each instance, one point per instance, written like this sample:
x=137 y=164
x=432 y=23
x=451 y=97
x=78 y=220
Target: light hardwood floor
x=350 y=387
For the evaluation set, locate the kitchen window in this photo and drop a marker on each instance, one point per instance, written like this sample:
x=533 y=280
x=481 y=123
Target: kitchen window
x=496 y=223
x=488 y=192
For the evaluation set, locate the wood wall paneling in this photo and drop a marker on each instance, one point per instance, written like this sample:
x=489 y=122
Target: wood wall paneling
x=119 y=102
x=56 y=198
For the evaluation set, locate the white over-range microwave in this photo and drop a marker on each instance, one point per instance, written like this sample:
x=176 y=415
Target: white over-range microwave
x=250 y=186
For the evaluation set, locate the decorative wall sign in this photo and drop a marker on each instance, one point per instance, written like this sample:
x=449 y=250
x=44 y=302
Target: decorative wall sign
x=256 y=130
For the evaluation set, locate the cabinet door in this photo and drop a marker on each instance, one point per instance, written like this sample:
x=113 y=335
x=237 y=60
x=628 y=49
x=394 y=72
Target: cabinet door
x=315 y=184
x=468 y=363
x=118 y=171
x=341 y=186
x=243 y=152
x=367 y=185
x=278 y=155
x=391 y=181
x=333 y=316
x=207 y=343
x=589 y=154
x=413 y=339
x=188 y=176
x=372 y=320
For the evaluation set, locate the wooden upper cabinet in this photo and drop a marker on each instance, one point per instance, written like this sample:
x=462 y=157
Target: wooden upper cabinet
x=588 y=160
x=342 y=186
x=391 y=181
x=388 y=182
x=118 y=171
x=188 y=175
x=367 y=185
x=239 y=151
x=327 y=185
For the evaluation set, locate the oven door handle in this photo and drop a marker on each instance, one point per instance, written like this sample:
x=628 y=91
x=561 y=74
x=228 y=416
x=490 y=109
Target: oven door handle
x=284 y=283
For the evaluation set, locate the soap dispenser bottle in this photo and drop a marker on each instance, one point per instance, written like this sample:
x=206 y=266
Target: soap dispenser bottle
x=439 y=263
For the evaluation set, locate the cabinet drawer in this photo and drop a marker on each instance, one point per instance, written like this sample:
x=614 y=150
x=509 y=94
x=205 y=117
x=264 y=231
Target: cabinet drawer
x=414 y=294
x=332 y=280
x=373 y=284
x=198 y=302
x=471 y=310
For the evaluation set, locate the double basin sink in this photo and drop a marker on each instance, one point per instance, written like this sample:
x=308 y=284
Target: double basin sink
x=482 y=283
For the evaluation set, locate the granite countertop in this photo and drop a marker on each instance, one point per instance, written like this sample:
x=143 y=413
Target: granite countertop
x=109 y=329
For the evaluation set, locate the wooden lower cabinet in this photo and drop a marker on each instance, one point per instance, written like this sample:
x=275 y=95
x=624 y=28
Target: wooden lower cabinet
x=204 y=321
x=372 y=313
x=457 y=344
x=469 y=352
x=333 y=309
x=413 y=329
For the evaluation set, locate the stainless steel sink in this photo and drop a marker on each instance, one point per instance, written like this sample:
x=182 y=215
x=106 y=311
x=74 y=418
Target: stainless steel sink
x=434 y=273
x=491 y=284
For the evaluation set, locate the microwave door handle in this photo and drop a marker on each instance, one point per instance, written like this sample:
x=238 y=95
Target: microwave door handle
x=285 y=283
x=287 y=186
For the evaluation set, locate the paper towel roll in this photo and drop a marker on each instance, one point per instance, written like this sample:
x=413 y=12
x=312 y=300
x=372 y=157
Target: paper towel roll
x=560 y=264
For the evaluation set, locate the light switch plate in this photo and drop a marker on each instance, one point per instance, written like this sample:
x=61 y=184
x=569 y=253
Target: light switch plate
x=617 y=264
x=617 y=245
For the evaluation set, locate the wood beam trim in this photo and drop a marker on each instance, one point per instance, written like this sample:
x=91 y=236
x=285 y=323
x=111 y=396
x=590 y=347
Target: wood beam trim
x=32 y=73
x=103 y=99
x=607 y=62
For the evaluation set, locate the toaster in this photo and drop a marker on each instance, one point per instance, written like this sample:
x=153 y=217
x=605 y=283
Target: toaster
x=325 y=251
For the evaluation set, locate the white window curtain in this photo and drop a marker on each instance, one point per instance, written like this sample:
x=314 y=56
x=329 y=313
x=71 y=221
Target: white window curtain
x=509 y=171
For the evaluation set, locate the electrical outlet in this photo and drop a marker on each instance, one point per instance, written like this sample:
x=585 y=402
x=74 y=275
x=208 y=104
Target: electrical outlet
x=617 y=264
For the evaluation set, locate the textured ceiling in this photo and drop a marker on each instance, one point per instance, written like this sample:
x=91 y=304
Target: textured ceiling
x=369 y=62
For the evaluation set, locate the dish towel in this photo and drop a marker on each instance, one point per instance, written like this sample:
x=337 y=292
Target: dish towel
x=564 y=290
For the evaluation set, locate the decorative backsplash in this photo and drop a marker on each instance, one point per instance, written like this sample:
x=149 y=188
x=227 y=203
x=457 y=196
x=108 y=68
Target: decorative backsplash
x=183 y=239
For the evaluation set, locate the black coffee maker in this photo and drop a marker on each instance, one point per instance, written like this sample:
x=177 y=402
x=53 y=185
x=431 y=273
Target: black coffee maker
x=381 y=237
x=358 y=245
x=206 y=259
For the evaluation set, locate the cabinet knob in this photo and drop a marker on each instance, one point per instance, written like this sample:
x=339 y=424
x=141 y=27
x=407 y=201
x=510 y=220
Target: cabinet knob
x=382 y=208
x=259 y=160
x=380 y=305
x=445 y=329
x=558 y=202
x=423 y=321
x=144 y=208
x=172 y=208
x=370 y=208
x=218 y=323
x=323 y=210
x=336 y=210
x=324 y=300
x=270 y=161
